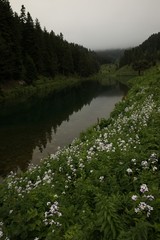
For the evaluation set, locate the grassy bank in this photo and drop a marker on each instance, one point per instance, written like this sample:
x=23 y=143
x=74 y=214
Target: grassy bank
x=105 y=185
x=14 y=93
x=16 y=97
x=18 y=92
x=109 y=74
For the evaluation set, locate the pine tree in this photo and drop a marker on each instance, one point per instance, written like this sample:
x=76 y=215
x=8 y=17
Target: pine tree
x=23 y=14
x=39 y=62
x=25 y=46
x=9 y=49
x=31 y=72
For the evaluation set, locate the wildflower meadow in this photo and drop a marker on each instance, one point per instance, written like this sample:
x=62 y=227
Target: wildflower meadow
x=104 y=186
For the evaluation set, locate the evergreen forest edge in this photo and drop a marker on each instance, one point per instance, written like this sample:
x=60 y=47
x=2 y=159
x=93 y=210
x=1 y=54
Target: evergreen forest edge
x=29 y=54
x=35 y=63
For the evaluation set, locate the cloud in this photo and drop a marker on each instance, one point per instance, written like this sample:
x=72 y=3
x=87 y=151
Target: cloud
x=97 y=24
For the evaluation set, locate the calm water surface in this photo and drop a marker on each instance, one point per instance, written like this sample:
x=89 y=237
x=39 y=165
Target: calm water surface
x=34 y=133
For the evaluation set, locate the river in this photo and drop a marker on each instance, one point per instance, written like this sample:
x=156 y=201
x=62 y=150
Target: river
x=34 y=133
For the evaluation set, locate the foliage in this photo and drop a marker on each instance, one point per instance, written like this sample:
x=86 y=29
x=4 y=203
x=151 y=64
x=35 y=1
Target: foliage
x=41 y=88
x=27 y=51
x=105 y=185
x=140 y=66
x=109 y=56
x=148 y=52
x=108 y=219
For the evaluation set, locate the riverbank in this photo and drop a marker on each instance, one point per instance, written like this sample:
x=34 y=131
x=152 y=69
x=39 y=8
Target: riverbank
x=37 y=131
x=15 y=93
x=17 y=97
x=18 y=92
x=105 y=185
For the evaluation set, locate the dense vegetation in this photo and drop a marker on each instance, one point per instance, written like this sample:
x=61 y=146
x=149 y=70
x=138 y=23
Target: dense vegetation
x=27 y=51
x=109 y=56
x=143 y=56
x=104 y=186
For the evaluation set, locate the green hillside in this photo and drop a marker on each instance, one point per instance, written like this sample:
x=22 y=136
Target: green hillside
x=105 y=185
x=143 y=56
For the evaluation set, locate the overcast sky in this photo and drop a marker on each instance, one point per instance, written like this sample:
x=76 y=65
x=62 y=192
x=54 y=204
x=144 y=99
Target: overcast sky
x=97 y=24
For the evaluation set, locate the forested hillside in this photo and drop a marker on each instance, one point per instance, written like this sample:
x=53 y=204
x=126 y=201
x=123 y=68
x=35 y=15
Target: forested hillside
x=144 y=55
x=27 y=51
x=109 y=56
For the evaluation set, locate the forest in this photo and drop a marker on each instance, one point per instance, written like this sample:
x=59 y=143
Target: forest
x=27 y=51
x=143 y=56
x=109 y=56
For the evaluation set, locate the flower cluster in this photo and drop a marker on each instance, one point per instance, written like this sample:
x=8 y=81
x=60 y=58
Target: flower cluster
x=51 y=214
x=1 y=231
x=151 y=162
x=134 y=197
x=143 y=207
x=129 y=170
x=143 y=188
x=101 y=178
x=144 y=164
x=25 y=185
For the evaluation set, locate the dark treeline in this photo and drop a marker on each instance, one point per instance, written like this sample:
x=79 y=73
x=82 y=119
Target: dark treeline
x=143 y=56
x=27 y=51
x=109 y=56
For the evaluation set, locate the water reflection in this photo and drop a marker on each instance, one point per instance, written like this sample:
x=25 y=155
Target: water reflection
x=33 y=133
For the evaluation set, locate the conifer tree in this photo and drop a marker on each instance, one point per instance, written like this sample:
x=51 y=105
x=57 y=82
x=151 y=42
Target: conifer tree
x=25 y=47
x=8 y=50
x=31 y=72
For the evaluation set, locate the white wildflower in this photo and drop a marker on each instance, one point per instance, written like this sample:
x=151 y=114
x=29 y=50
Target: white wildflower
x=143 y=188
x=133 y=160
x=137 y=210
x=1 y=233
x=134 y=197
x=142 y=206
x=149 y=197
x=129 y=170
x=144 y=164
x=154 y=168
x=101 y=178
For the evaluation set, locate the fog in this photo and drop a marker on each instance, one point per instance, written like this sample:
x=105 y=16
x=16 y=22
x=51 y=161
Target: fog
x=96 y=24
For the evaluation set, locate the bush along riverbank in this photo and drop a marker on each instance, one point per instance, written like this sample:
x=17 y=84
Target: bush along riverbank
x=20 y=97
x=14 y=93
x=20 y=92
x=105 y=185
x=17 y=96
